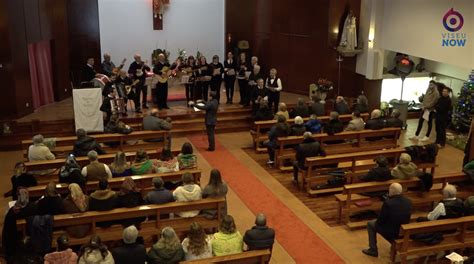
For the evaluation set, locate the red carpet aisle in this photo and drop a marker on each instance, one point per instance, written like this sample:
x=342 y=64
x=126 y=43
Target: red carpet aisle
x=303 y=245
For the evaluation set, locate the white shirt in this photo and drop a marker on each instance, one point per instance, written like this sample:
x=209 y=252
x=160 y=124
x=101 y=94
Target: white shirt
x=280 y=87
x=206 y=254
x=107 y=170
x=439 y=210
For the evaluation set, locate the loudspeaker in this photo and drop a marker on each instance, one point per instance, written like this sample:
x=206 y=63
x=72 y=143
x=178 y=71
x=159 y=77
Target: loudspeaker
x=313 y=90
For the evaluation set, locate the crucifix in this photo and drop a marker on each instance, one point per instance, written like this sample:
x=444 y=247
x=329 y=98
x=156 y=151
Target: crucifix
x=158 y=8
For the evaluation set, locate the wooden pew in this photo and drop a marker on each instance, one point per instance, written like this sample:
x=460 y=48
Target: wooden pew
x=351 y=163
x=147 y=229
x=462 y=238
x=144 y=182
x=353 y=193
x=248 y=257
x=354 y=141
x=65 y=144
x=259 y=136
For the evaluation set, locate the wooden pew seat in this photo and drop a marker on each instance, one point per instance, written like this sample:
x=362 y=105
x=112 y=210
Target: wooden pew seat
x=248 y=257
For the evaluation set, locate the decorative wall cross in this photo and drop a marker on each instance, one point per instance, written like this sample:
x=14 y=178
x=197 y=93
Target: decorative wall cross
x=158 y=8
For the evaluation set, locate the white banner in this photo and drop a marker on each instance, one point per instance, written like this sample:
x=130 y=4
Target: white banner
x=87 y=114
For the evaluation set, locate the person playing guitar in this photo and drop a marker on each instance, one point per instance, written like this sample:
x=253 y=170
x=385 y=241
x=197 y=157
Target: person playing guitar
x=138 y=71
x=162 y=70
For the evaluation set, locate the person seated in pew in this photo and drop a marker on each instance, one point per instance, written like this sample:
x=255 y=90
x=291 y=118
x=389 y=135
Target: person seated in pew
x=39 y=151
x=361 y=105
x=357 y=123
x=20 y=178
x=186 y=158
x=264 y=112
x=167 y=162
x=26 y=253
x=396 y=211
x=159 y=195
x=334 y=125
x=96 y=171
x=341 y=106
x=308 y=148
x=282 y=111
x=103 y=199
x=120 y=166
x=216 y=188
x=197 y=245
x=394 y=120
x=298 y=129
x=142 y=164
x=50 y=203
x=153 y=122
x=376 y=122
x=128 y=197
x=405 y=169
x=187 y=193
x=76 y=202
x=469 y=206
x=167 y=250
x=316 y=107
x=228 y=240
x=301 y=109
x=258 y=94
x=115 y=125
x=84 y=144
x=63 y=254
x=95 y=252
x=280 y=129
x=449 y=207
x=313 y=125
x=131 y=252
x=22 y=209
x=260 y=236
x=381 y=171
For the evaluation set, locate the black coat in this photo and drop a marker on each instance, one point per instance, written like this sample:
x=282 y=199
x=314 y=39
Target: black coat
x=83 y=145
x=129 y=254
x=211 y=111
x=297 y=130
x=24 y=180
x=302 y=111
x=317 y=108
x=377 y=174
x=342 y=108
x=395 y=212
x=394 y=122
x=375 y=124
x=50 y=205
x=309 y=148
x=333 y=126
x=87 y=73
x=264 y=114
x=10 y=235
x=259 y=237
x=443 y=107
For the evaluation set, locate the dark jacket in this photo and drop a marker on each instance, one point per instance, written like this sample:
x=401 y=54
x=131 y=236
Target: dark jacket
x=24 y=180
x=211 y=111
x=278 y=130
x=83 y=145
x=361 y=108
x=40 y=227
x=297 y=130
x=453 y=208
x=103 y=200
x=10 y=235
x=299 y=111
x=342 y=108
x=259 y=237
x=163 y=256
x=264 y=113
x=317 y=108
x=395 y=212
x=159 y=196
x=375 y=124
x=393 y=122
x=129 y=254
x=87 y=73
x=443 y=107
x=155 y=123
x=333 y=126
x=308 y=148
x=377 y=174
x=50 y=206
x=70 y=207
x=130 y=200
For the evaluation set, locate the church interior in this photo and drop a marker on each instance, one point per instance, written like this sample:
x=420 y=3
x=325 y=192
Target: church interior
x=237 y=131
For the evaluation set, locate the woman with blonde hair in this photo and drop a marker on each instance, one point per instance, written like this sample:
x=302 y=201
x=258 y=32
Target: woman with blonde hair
x=282 y=111
x=405 y=169
x=228 y=240
x=167 y=250
x=120 y=167
x=76 y=202
x=197 y=245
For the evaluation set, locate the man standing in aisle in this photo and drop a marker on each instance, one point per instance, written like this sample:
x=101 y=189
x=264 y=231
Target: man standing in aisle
x=273 y=84
x=138 y=71
x=211 y=118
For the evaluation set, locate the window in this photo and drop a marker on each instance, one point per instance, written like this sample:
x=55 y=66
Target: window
x=412 y=89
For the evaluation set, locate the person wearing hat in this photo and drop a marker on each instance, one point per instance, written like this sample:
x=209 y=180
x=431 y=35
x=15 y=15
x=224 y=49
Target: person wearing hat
x=130 y=252
x=210 y=119
x=405 y=169
x=63 y=255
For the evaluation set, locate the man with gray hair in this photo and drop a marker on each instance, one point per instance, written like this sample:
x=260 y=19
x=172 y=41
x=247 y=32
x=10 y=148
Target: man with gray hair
x=130 y=251
x=39 y=151
x=96 y=170
x=159 y=195
x=108 y=66
x=394 y=120
x=260 y=236
x=308 y=148
x=84 y=144
x=334 y=125
x=449 y=207
x=395 y=212
x=376 y=121
x=155 y=123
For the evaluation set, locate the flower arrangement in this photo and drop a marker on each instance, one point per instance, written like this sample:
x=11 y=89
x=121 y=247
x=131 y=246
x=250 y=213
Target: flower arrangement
x=182 y=55
x=324 y=85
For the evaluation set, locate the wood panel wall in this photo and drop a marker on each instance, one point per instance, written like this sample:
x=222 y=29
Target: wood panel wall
x=296 y=37
x=72 y=27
